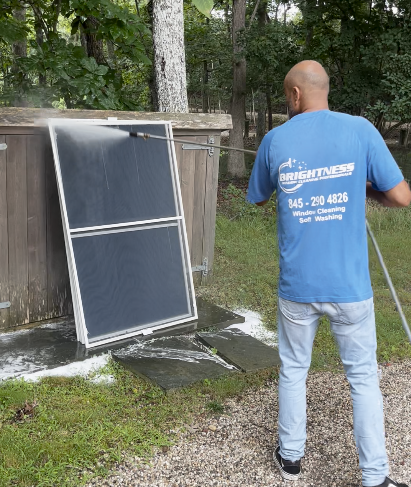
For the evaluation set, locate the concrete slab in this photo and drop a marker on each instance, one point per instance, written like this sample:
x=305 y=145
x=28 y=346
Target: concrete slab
x=241 y=350
x=54 y=344
x=171 y=363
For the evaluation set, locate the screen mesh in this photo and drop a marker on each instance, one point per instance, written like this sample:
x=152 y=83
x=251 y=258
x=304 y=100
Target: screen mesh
x=109 y=179
x=131 y=279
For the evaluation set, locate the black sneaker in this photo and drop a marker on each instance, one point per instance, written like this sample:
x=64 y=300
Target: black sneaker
x=390 y=483
x=289 y=470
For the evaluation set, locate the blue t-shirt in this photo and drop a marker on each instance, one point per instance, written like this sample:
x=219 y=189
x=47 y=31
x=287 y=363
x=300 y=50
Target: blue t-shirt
x=318 y=163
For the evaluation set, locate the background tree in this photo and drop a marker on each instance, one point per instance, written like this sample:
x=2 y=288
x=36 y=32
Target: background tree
x=99 y=54
x=236 y=164
x=169 y=55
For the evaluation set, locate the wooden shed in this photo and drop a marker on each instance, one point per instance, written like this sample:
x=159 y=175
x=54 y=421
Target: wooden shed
x=34 y=276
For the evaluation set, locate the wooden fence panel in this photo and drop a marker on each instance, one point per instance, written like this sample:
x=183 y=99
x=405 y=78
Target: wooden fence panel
x=4 y=239
x=198 y=205
x=58 y=282
x=210 y=208
x=37 y=228
x=187 y=173
x=17 y=228
x=34 y=275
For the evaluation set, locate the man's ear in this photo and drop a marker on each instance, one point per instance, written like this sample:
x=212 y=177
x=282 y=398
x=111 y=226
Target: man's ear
x=296 y=94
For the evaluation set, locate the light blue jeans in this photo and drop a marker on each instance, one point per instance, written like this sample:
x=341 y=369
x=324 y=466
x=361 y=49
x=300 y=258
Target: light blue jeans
x=353 y=326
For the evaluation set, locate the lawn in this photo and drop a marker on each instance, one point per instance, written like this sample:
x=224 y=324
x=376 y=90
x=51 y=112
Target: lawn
x=246 y=271
x=80 y=429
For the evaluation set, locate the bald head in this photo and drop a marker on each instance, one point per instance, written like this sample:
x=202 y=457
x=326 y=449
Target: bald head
x=308 y=76
x=306 y=88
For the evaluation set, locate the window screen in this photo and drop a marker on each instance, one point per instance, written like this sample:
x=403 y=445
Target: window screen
x=125 y=232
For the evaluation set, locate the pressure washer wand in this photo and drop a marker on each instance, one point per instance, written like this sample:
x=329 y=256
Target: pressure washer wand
x=141 y=135
x=389 y=282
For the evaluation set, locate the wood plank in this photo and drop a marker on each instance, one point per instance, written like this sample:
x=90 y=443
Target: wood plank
x=17 y=228
x=210 y=209
x=179 y=156
x=36 y=228
x=13 y=130
x=201 y=157
x=58 y=283
x=4 y=240
x=187 y=190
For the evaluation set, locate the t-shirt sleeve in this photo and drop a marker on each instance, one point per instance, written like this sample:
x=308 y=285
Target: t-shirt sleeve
x=382 y=170
x=261 y=186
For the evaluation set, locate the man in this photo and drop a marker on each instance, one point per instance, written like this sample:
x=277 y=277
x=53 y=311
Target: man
x=322 y=165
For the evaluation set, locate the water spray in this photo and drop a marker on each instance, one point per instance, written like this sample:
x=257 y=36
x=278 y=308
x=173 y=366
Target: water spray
x=394 y=295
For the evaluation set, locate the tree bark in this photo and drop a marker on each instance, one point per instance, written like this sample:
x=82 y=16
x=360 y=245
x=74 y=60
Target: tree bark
x=236 y=163
x=40 y=40
x=94 y=46
x=269 y=110
x=152 y=79
x=205 y=98
x=169 y=56
x=19 y=50
x=261 y=119
x=261 y=98
x=111 y=55
x=308 y=9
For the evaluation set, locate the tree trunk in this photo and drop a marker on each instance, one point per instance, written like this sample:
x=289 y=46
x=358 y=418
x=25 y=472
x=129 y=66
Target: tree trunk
x=111 y=54
x=308 y=11
x=206 y=107
x=40 y=40
x=269 y=110
x=152 y=79
x=260 y=131
x=236 y=163
x=19 y=50
x=261 y=98
x=94 y=46
x=169 y=56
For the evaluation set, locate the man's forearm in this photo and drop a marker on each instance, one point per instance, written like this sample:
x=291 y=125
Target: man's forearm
x=397 y=197
x=378 y=196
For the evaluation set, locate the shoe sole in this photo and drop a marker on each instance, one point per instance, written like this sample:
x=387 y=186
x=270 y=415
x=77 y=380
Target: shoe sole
x=285 y=475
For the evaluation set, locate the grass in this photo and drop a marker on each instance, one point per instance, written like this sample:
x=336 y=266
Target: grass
x=80 y=429
x=246 y=272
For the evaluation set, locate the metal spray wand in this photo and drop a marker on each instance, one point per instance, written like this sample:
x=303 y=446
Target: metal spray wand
x=141 y=135
x=373 y=240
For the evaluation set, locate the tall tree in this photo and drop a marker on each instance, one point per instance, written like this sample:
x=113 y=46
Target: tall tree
x=236 y=163
x=261 y=99
x=19 y=51
x=169 y=55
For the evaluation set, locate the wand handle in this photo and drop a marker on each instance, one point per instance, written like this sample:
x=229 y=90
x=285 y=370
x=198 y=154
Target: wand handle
x=389 y=282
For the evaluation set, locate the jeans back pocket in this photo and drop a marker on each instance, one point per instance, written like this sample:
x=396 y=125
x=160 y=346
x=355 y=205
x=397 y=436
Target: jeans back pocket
x=293 y=310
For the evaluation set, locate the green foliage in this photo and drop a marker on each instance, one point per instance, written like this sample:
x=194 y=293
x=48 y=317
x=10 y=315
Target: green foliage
x=204 y=6
x=270 y=52
x=208 y=58
x=62 y=39
x=364 y=46
x=235 y=205
x=365 y=49
x=215 y=407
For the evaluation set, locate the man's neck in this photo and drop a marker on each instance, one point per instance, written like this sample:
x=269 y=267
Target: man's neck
x=315 y=108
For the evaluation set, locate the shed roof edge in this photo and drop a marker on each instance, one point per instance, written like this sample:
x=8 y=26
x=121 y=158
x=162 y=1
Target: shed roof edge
x=34 y=117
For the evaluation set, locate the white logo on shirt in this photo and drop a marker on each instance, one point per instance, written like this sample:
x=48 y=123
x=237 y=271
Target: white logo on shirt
x=291 y=181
